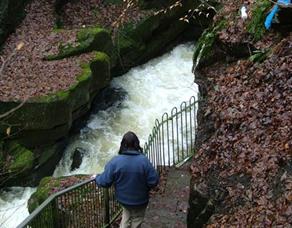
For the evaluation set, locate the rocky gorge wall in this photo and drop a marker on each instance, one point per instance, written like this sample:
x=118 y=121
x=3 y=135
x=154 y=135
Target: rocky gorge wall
x=45 y=121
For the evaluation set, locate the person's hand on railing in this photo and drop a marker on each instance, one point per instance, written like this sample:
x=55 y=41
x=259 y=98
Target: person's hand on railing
x=93 y=177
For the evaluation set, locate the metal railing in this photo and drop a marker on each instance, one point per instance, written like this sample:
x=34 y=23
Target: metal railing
x=87 y=205
x=172 y=139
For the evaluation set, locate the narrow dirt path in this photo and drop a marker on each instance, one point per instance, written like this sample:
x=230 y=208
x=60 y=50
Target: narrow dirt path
x=169 y=209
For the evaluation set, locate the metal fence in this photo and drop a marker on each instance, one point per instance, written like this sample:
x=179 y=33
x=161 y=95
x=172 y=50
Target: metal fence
x=82 y=205
x=87 y=205
x=173 y=137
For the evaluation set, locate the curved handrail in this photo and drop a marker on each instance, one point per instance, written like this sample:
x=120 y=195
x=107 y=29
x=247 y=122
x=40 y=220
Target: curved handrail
x=50 y=199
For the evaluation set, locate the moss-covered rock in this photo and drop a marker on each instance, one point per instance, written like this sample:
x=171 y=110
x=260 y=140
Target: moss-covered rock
x=16 y=161
x=88 y=40
x=100 y=69
x=136 y=44
x=22 y=158
x=43 y=120
x=51 y=185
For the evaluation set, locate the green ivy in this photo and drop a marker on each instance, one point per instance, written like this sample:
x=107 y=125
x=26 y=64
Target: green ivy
x=256 y=26
x=205 y=43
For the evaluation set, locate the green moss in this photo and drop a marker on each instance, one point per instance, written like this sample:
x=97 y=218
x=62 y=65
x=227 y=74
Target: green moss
x=51 y=185
x=84 y=77
x=204 y=45
x=22 y=158
x=256 y=26
x=100 y=68
x=89 y=39
x=65 y=94
x=42 y=193
x=42 y=120
x=88 y=33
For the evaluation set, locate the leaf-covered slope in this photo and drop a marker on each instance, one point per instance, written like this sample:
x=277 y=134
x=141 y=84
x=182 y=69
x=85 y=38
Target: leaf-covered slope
x=245 y=166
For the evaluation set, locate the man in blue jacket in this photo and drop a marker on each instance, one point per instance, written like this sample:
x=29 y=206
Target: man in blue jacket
x=133 y=176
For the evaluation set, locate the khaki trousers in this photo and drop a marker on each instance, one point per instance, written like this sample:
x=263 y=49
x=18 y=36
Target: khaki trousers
x=132 y=217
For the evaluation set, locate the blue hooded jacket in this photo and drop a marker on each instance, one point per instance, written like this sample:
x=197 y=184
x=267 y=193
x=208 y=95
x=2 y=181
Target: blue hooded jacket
x=132 y=175
x=274 y=11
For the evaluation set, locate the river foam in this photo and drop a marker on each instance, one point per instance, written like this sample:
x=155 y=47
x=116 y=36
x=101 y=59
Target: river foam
x=151 y=90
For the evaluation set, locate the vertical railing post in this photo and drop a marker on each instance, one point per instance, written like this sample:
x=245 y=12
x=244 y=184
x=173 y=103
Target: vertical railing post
x=56 y=219
x=106 y=207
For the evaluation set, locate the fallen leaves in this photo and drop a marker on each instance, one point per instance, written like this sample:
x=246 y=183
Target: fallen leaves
x=252 y=112
x=26 y=74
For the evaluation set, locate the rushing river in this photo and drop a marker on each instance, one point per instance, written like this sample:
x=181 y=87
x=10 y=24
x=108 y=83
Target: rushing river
x=147 y=92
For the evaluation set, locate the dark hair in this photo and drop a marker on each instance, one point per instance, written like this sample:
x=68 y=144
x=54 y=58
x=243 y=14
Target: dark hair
x=130 y=141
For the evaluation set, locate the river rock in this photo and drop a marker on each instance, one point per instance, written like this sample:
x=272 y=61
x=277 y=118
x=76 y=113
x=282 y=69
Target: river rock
x=51 y=185
x=44 y=120
x=77 y=158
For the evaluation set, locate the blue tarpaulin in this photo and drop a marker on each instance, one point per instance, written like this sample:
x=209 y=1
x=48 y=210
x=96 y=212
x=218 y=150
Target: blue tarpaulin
x=271 y=15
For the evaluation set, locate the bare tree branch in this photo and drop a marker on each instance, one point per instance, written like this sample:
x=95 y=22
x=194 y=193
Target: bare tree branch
x=4 y=62
x=13 y=109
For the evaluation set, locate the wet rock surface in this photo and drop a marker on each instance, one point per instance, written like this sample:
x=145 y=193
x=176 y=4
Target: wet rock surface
x=77 y=158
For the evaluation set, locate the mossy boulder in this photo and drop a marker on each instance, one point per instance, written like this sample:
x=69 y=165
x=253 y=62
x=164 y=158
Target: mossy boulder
x=100 y=69
x=16 y=161
x=44 y=190
x=24 y=166
x=88 y=40
x=50 y=185
x=22 y=158
x=11 y=13
x=43 y=120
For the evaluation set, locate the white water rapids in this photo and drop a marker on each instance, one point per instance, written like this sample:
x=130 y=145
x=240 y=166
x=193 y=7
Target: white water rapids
x=151 y=89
